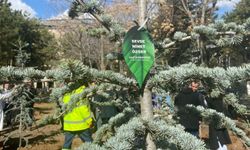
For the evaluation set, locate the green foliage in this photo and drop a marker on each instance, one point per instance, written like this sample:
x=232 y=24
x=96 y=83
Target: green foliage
x=205 y=30
x=92 y=6
x=232 y=100
x=107 y=130
x=132 y=136
x=218 y=119
x=16 y=26
x=127 y=130
x=229 y=32
x=73 y=11
x=247 y=24
x=22 y=57
x=216 y=81
x=115 y=30
x=217 y=42
x=15 y=74
x=179 y=35
x=128 y=136
x=113 y=135
x=166 y=138
x=23 y=101
x=240 y=13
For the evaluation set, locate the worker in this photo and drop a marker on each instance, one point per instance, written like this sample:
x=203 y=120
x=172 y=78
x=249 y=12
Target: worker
x=77 y=121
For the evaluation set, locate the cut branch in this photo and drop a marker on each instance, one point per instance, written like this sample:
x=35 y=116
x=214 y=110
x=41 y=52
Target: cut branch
x=97 y=17
x=173 y=43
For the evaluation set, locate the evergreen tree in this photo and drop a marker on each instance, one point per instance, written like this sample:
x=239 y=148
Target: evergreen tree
x=129 y=128
x=240 y=13
x=13 y=26
x=22 y=57
x=214 y=33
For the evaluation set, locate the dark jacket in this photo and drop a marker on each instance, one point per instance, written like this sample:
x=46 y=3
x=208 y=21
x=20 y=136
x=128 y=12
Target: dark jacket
x=186 y=117
x=218 y=131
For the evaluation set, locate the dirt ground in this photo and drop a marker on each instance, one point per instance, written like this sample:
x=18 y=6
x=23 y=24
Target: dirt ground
x=50 y=137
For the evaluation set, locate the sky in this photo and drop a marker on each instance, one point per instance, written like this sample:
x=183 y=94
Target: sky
x=226 y=6
x=41 y=9
x=46 y=9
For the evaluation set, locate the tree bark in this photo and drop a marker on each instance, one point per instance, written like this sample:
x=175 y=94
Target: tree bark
x=102 y=53
x=147 y=114
x=146 y=104
x=203 y=13
x=146 y=98
x=202 y=46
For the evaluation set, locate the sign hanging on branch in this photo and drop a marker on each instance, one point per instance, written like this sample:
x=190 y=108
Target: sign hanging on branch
x=138 y=52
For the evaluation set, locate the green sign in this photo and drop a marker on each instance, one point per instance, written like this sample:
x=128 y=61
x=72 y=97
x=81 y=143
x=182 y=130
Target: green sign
x=138 y=52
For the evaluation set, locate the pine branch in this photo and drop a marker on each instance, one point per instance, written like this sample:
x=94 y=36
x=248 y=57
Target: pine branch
x=76 y=71
x=96 y=16
x=217 y=32
x=231 y=99
x=165 y=136
x=16 y=74
x=115 y=30
x=128 y=136
x=221 y=119
x=218 y=80
x=112 y=77
x=113 y=123
x=92 y=146
x=173 y=43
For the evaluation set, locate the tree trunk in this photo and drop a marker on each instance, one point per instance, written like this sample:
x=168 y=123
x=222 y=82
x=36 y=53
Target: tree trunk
x=203 y=13
x=146 y=104
x=146 y=98
x=202 y=52
x=20 y=126
x=202 y=46
x=102 y=53
x=147 y=111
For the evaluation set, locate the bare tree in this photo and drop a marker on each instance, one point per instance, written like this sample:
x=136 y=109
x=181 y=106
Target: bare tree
x=79 y=44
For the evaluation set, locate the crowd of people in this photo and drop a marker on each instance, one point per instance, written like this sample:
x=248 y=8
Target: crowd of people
x=80 y=120
x=218 y=136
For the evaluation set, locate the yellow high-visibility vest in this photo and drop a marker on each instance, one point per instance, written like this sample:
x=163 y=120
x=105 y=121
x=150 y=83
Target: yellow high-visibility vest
x=80 y=117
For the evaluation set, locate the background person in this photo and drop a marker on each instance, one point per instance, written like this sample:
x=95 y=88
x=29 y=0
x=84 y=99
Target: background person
x=4 y=103
x=189 y=119
x=218 y=134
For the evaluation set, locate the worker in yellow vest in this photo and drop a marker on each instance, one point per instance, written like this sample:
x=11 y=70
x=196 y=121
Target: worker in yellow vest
x=78 y=121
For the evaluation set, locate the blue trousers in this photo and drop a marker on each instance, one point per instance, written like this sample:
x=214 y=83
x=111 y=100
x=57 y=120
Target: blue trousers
x=85 y=136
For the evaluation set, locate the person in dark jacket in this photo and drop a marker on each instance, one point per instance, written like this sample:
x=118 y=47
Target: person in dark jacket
x=186 y=117
x=218 y=133
x=103 y=113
